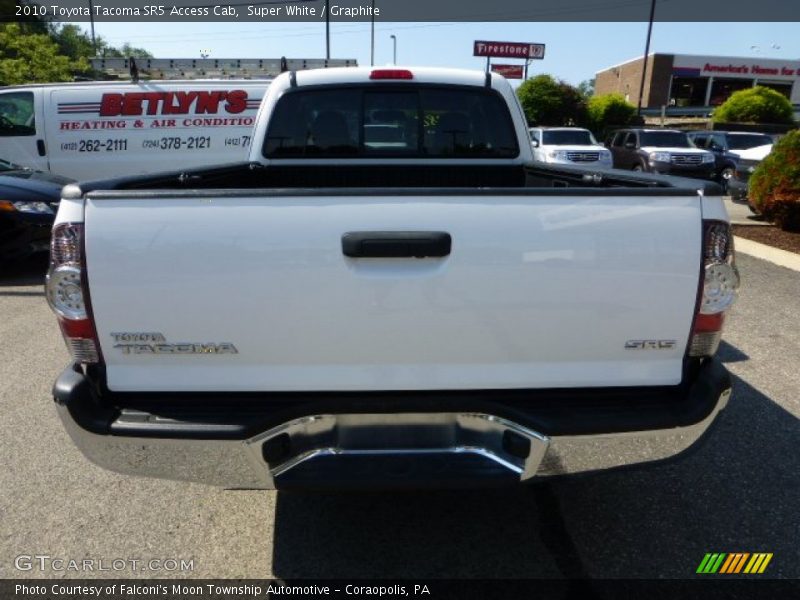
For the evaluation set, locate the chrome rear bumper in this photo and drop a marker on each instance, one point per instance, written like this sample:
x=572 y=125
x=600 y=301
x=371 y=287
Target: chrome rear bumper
x=361 y=449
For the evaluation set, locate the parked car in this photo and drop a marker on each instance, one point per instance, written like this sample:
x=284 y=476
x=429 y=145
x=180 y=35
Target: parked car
x=726 y=147
x=749 y=159
x=28 y=203
x=485 y=318
x=665 y=151
x=568 y=145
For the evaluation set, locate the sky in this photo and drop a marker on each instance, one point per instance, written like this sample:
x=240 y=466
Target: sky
x=575 y=51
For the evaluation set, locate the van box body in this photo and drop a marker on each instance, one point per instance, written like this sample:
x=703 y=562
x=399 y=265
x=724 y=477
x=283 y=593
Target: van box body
x=100 y=129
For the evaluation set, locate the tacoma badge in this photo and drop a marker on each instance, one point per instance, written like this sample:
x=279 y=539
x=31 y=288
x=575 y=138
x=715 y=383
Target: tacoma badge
x=156 y=343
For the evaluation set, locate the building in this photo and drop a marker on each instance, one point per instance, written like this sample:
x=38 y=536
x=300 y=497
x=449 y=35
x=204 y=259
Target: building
x=690 y=84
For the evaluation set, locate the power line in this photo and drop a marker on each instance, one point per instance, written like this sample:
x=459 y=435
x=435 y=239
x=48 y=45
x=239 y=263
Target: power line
x=512 y=16
x=340 y=28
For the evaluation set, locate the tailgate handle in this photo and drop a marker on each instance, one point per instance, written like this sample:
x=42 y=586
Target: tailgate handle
x=395 y=244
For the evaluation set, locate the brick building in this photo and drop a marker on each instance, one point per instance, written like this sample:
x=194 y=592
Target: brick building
x=689 y=84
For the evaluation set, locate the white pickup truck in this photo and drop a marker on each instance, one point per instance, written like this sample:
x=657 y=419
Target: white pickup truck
x=389 y=293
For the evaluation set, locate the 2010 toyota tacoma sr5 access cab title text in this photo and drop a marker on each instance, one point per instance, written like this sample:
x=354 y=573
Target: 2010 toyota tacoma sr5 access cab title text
x=389 y=293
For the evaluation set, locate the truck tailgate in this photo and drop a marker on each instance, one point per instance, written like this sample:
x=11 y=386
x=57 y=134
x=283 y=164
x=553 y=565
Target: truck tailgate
x=252 y=292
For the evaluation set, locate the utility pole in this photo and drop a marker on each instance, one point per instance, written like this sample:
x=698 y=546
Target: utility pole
x=91 y=21
x=327 y=29
x=646 y=52
x=372 y=38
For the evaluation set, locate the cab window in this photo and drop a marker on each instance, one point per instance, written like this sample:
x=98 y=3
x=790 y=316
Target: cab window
x=375 y=121
x=16 y=114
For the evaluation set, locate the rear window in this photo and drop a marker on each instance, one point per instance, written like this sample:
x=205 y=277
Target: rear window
x=399 y=122
x=744 y=142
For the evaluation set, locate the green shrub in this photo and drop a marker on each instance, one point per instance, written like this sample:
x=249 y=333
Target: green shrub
x=755 y=105
x=775 y=184
x=550 y=101
x=609 y=111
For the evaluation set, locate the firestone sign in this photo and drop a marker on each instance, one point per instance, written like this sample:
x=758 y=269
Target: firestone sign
x=508 y=49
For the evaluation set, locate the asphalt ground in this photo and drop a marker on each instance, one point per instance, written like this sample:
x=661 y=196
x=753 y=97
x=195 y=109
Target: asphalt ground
x=741 y=214
x=738 y=491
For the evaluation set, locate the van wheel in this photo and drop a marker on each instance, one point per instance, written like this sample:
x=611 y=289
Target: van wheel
x=638 y=168
x=725 y=176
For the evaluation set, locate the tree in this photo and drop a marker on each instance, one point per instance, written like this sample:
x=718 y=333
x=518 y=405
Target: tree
x=37 y=51
x=73 y=42
x=549 y=101
x=124 y=52
x=755 y=105
x=27 y=24
x=775 y=184
x=76 y=44
x=586 y=88
x=608 y=110
x=32 y=58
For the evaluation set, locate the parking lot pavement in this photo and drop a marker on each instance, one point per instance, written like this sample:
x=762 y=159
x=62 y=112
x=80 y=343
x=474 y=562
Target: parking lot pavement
x=737 y=492
x=741 y=214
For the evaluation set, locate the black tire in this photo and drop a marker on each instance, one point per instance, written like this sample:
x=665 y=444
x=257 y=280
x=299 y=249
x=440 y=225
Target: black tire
x=638 y=168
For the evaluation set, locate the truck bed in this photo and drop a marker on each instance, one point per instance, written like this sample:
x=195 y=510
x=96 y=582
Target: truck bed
x=241 y=176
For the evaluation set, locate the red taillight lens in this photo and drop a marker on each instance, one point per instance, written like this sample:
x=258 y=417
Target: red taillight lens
x=719 y=284
x=707 y=323
x=391 y=74
x=68 y=295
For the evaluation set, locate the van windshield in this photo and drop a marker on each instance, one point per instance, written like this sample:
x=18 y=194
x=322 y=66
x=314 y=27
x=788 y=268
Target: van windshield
x=568 y=137
x=16 y=114
x=400 y=121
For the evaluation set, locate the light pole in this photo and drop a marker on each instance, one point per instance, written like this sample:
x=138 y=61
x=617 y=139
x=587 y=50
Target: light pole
x=646 y=52
x=372 y=38
x=91 y=21
x=327 y=30
x=394 y=49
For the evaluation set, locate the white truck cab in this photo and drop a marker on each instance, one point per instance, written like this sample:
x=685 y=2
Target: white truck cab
x=568 y=145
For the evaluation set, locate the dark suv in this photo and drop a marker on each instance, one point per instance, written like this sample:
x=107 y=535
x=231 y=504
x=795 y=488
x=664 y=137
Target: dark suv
x=724 y=144
x=665 y=151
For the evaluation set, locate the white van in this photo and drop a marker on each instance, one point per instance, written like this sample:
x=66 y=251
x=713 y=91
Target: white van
x=101 y=129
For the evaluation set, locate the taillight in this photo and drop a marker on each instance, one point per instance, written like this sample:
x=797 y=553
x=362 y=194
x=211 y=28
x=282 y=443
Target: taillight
x=718 y=288
x=68 y=295
x=391 y=74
